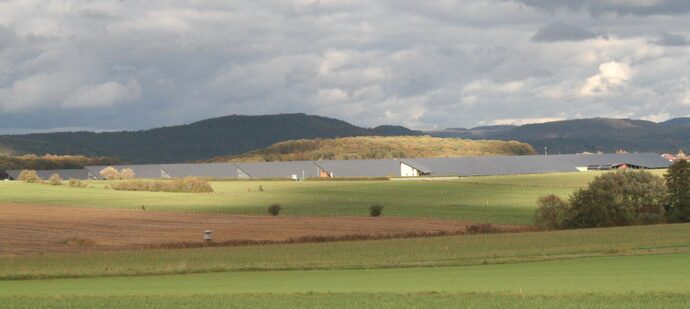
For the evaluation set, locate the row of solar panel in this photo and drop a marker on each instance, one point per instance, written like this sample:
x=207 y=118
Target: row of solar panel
x=456 y=166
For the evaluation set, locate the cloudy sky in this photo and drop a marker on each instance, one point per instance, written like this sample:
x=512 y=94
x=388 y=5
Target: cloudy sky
x=424 y=64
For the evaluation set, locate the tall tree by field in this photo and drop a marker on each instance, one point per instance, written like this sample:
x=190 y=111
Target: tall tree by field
x=678 y=184
x=619 y=198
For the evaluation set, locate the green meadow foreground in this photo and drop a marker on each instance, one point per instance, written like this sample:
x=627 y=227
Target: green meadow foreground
x=625 y=267
x=619 y=267
x=507 y=200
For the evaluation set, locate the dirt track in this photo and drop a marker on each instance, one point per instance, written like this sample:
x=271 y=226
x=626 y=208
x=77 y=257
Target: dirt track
x=30 y=230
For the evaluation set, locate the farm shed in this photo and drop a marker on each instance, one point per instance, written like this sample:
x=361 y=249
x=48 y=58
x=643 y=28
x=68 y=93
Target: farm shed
x=81 y=174
x=283 y=169
x=140 y=170
x=208 y=170
x=360 y=168
x=408 y=169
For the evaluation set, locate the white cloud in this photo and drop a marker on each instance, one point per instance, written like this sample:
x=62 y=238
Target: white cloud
x=521 y=121
x=103 y=95
x=611 y=76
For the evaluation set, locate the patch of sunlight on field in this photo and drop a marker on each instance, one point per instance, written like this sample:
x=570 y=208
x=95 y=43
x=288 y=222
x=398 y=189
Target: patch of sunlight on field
x=499 y=199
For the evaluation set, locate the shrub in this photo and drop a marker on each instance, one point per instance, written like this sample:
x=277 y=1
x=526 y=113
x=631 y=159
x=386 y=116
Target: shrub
x=617 y=199
x=55 y=180
x=552 y=213
x=30 y=176
x=186 y=185
x=482 y=228
x=110 y=173
x=76 y=183
x=678 y=185
x=127 y=173
x=375 y=210
x=274 y=209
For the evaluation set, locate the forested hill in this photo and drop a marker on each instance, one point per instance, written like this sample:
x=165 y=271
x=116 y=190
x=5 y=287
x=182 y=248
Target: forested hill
x=595 y=134
x=379 y=147
x=201 y=140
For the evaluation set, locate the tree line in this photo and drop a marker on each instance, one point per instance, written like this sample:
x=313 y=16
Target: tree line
x=621 y=198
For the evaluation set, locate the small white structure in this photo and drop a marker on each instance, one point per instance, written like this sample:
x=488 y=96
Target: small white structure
x=408 y=170
x=208 y=235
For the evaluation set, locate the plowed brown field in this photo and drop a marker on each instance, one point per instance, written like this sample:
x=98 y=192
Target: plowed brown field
x=29 y=230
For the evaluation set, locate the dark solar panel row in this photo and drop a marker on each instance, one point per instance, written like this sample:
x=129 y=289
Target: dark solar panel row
x=456 y=166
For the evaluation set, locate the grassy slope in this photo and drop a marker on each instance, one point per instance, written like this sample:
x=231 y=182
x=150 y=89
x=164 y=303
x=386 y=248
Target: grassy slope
x=438 y=251
x=637 y=274
x=379 y=147
x=363 y=300
x=633 y=267
x=489 y=199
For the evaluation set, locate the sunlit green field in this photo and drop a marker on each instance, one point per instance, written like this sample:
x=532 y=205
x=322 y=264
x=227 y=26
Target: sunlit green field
x=413 y=252
x=625 y=267
x=508 y=199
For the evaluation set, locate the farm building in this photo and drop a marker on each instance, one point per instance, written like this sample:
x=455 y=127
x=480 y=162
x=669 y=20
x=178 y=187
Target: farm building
x=64 y=174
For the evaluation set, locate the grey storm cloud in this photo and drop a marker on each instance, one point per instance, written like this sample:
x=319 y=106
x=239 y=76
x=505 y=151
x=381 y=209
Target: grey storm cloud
x=671 y=39
x=598 y=7
x=559 y=31
x=432 y=64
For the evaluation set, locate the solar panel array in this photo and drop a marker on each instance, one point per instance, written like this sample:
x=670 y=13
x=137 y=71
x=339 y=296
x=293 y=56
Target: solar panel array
x=537 y=164
x=64 y=174
x=456 y=166
x=361 y=168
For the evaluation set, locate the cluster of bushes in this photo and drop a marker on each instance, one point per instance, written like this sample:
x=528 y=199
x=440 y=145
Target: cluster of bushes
x=374 y=210
x=621 y=198
x=30 y=176
x=111 y=173
x=185 y=185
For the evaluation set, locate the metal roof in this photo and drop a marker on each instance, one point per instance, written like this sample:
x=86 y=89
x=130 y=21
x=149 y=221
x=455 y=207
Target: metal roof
x=64 y=174
x=282 y=169
x=210 y=170
x=140 y=170
x=361 y=168
x=535 y=164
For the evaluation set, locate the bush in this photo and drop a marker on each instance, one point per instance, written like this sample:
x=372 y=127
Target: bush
x=482 y=228
x=552 y=213
x=375 y=210
x=76 y=183
x=186 y=185
x=55 y=180
x=678 y=185
x=110 y=173
x=30 y=176
x=274 y=209
x=127 y=173
x=617 y=199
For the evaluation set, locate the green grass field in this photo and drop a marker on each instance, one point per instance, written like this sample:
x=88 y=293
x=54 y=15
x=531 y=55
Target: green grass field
x=414 y=252
x=625 y=267
x=509 y=199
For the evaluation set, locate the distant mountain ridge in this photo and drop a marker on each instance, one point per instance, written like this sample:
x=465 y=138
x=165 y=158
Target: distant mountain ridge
x=594 y=134
x=237 y=134
x=228 y=135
